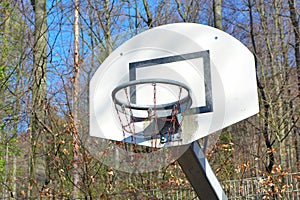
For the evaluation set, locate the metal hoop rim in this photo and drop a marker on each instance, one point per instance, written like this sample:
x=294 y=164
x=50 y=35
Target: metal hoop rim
x=186 y=99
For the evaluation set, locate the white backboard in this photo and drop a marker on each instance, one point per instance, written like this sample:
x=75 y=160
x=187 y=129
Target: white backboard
x=218 y=69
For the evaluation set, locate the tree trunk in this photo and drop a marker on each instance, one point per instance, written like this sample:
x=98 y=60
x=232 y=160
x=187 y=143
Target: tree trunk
x=217 y=4
x=75 y=103
x=107 y=27
x=294 y=16
x=149 y=20
x=3 y=61
x=38 y=177
x=266 y=106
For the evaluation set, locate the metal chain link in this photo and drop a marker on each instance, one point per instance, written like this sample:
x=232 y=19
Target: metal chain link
x=155 y=115
x=129 y=125
x=131 y=115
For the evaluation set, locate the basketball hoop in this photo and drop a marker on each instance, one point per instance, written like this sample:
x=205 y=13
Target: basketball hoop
x=142 y=113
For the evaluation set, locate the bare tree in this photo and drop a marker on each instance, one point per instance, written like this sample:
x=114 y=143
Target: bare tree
x=217 y=5
x=189 y=11
x=38 y=171
x=76 y=144
x=294 y=16
x=149 y=20
x=255 y=147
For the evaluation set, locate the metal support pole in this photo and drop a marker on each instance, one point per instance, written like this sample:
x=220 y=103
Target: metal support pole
x=199 y=173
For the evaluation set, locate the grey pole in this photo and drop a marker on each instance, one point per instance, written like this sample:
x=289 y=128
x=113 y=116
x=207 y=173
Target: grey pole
x=199 y=173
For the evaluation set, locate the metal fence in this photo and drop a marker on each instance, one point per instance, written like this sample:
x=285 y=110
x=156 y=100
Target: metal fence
x=288 y=188
x=156 y=194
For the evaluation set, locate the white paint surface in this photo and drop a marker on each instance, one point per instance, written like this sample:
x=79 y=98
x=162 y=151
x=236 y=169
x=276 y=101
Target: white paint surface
x=233 y=76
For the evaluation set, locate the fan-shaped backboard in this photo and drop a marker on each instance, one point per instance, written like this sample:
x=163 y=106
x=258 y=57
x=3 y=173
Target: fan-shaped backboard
x=218 y=69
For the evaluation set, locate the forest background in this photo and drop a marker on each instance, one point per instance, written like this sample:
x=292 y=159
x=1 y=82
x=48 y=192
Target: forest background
x=43 y=109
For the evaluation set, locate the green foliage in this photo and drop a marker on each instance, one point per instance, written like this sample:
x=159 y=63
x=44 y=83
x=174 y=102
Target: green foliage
x=5 y=5
x=2 y=165
x=2 y=73
x=2 y=125
x=223 y=153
